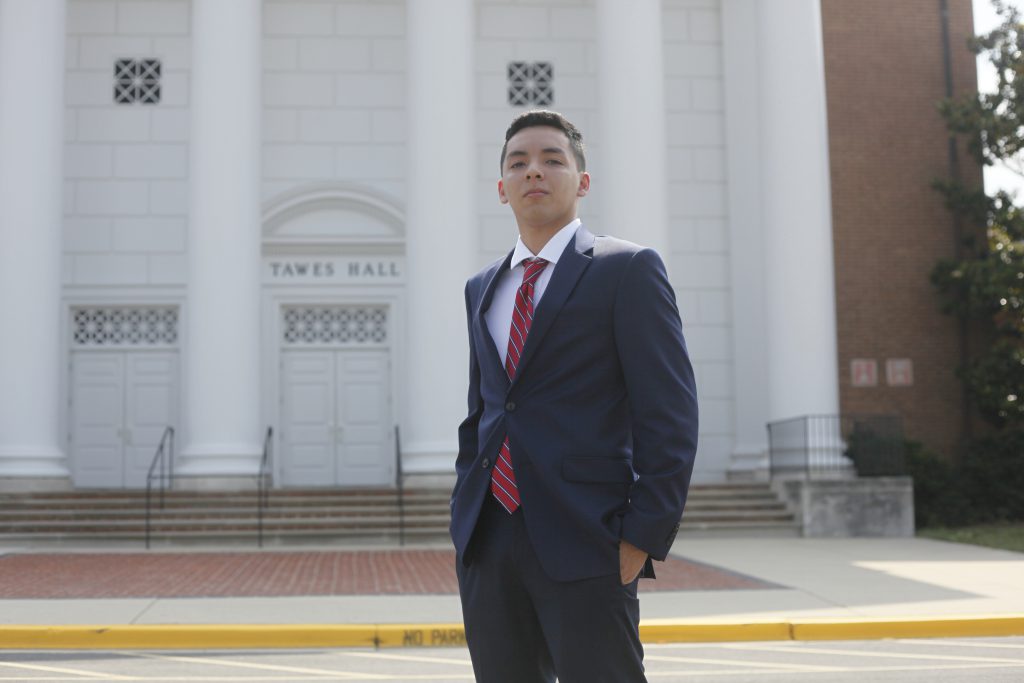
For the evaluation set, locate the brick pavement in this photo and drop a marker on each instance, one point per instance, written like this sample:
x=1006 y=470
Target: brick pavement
x=279 y=573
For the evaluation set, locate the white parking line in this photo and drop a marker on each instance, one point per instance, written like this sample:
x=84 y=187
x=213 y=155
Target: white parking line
x=733 y=662
x=218 y=661
x=60 y=670
x=863 y=653
x=691 y=673
x=958 y=643
x=407 y=658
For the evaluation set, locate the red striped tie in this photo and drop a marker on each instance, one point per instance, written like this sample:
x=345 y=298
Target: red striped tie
x=503 y=479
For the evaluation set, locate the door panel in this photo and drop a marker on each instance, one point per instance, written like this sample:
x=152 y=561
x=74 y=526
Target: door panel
x=121 y=402
x=97 y=385
x=336 y=418
x=364 y=455
x=151 y=405
x=307 y=430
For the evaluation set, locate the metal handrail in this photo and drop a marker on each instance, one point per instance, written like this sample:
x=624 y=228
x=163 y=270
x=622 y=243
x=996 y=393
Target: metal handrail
x=262 y=483
x=164 y=456
x=400 y=485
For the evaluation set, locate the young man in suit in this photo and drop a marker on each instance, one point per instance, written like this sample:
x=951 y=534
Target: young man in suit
x=576 y=455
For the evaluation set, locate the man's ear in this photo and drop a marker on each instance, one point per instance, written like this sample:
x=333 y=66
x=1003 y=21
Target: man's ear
x=501 y=192
x=584 y=187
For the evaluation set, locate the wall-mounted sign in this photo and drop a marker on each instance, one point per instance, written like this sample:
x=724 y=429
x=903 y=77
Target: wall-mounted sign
x=334 y=270
x=864 y=372
x=899 y=372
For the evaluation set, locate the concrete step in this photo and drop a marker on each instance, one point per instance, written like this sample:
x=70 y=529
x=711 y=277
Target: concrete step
x=325 y=514
x=410 y=509
x=179 y=498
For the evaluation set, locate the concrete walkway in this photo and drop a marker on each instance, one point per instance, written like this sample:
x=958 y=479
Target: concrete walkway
x=804 y=588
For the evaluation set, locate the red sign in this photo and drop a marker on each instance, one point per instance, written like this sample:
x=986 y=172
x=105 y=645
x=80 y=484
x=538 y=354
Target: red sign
x=864 y=372
x=899 y=372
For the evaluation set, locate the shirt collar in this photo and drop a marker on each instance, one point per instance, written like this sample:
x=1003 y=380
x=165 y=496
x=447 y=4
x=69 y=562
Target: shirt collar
x=551 y=251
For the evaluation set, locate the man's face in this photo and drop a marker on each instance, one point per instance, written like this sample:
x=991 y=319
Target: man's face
x=540 y=180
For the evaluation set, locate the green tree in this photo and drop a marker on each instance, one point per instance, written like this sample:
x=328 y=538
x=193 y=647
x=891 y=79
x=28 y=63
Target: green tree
x=986 y=282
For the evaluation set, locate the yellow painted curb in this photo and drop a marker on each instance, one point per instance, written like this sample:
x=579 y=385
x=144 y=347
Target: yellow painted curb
x=697 y=632
x=939 y=627
x=289 y=636
x=186 y=636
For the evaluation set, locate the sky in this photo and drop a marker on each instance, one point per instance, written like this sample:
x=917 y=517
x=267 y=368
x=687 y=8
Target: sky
x=985 y=19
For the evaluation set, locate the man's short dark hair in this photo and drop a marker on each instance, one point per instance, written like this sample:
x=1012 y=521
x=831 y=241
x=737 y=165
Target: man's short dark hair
x=551 y=119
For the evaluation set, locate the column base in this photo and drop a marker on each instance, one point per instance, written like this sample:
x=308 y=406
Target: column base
x=220 y=460
x=35 y=484
x=429 y=457
x=214 y=483
x=33 y=462
x=748 y=464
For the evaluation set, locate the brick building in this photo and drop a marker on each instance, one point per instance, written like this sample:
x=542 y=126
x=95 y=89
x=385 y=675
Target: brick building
x=886 y=71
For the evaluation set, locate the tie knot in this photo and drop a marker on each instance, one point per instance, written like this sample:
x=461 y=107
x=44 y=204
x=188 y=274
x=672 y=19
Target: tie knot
x=533 y=268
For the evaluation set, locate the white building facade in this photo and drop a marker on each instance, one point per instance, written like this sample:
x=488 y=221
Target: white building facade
x=227 y=215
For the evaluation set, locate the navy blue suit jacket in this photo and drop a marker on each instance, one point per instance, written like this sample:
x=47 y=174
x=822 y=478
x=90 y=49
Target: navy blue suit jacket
x=601 y=417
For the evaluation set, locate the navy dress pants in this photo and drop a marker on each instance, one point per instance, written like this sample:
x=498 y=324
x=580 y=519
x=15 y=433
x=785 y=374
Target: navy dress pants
x=523 y=627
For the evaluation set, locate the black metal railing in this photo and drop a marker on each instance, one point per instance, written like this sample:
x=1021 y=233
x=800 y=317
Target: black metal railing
x=163 y=459
x=400 y=487
x=828 y=446
x=263 y=480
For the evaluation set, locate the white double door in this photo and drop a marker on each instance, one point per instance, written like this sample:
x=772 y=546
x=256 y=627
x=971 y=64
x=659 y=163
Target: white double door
x=336 y=425
x=121 y=402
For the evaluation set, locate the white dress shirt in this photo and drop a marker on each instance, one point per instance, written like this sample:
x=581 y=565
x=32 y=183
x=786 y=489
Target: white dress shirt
x=499 y=315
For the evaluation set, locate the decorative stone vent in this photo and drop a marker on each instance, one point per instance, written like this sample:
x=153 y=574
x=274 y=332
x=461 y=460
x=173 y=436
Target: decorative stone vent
x=334 y=325
x=137 y=80
x=531 y=83
x=120 y=327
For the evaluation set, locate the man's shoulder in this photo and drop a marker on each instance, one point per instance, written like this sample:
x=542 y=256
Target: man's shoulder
x=616 y=250
x=609 y=244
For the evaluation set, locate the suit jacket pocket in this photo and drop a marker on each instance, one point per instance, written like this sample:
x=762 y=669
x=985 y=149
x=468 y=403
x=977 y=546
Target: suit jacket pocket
x=597 y=470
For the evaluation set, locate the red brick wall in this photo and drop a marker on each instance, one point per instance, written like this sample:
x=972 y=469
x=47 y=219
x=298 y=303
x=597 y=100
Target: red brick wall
x=884 y=77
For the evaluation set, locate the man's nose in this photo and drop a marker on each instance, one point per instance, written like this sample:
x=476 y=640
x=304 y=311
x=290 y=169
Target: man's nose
x=534 y=171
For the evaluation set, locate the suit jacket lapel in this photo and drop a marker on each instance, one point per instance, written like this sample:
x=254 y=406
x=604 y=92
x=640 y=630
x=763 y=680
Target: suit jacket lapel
x=490 y=350
x=571 y=264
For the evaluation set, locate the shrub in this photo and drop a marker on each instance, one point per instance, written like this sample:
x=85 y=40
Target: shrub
x=986 y=486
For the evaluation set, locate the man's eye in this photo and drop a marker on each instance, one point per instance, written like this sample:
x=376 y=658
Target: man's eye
x=555 y=161
x=516 y=164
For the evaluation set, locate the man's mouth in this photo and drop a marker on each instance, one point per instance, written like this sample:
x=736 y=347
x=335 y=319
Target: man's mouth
x=535 y=193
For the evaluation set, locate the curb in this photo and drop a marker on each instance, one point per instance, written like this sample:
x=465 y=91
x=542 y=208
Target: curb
x=296 y=636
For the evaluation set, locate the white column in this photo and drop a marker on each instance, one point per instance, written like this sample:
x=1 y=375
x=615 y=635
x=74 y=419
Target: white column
x=441 y=229
x=796 y=212
x=632 y=133
x=222 y=379
x=740 y=57
x=31 y=186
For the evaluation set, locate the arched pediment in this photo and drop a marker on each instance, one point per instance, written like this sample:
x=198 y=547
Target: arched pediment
x=332 y=213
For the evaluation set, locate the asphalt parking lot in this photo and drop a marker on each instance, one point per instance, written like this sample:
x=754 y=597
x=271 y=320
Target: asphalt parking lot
x=983 y=659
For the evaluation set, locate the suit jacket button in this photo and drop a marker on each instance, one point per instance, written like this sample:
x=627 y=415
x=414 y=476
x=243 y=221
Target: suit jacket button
x=485 y=464
x=510 y=406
